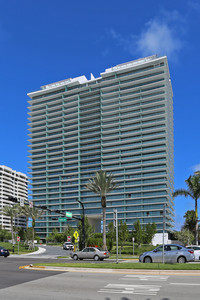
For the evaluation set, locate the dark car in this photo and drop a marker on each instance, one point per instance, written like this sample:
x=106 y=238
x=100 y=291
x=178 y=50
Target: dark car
x=4 y=252
x=68 y=246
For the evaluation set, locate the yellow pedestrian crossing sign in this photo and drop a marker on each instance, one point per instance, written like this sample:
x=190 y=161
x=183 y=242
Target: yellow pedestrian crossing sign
x=76 y=235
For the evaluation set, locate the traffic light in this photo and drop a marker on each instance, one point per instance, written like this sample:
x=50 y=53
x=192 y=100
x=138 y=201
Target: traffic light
x=58 y=211
x=43 y=206
x=55 y=219
x=13 y=199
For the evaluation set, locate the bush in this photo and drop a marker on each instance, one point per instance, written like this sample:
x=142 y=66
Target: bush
x=128 y=249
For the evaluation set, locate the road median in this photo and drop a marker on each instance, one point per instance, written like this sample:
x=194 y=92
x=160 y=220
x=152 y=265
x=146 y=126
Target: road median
x=114 y=271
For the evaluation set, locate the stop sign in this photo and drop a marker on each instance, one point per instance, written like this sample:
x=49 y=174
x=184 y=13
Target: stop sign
x=69 y=238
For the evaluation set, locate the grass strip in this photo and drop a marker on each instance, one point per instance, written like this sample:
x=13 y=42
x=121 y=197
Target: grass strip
x=150 y=266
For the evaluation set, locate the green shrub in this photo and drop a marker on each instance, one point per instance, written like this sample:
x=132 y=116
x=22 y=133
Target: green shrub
x=137 y=250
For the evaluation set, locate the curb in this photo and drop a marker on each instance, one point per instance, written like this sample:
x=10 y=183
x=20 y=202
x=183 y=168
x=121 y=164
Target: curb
x=114 y=271
x=39 y=251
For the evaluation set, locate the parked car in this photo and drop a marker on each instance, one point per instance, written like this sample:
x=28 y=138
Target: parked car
x=4 y=252
x=173 y=253
x=68 y=246
x=196 y=251
x=90 y=253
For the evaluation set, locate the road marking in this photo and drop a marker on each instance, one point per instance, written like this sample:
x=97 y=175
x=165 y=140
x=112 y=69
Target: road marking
x=179 y=283
x=146 y=277
x=147 y=290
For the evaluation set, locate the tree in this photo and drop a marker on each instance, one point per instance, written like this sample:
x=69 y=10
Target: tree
x=12 y=212
x=150 y=231
x=190 y=221
x=69 y=231
x=33 y=213
x=101 y=184
x=184 y=236
x=138 y=233
x=5 y=235
x=193 y=191
x=123 y=233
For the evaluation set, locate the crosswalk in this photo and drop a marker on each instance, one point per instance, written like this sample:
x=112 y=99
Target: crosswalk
x=131 y=289
x=135 y=289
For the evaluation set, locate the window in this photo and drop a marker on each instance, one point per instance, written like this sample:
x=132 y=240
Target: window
x=86 y=250
x=91 y=250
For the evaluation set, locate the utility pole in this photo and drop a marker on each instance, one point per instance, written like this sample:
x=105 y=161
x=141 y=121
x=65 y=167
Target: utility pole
x=116 y=225
x=83 y=224
x=164 y=212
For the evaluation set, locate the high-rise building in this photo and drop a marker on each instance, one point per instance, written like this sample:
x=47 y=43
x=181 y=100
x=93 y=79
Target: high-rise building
x=15 y=184
x=121 y=122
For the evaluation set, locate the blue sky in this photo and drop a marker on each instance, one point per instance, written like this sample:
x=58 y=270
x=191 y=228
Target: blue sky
x=47 y=41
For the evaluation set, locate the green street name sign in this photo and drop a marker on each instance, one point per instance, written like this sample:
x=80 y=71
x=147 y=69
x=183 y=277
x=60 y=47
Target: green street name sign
x=62 y=219
x=68 y=214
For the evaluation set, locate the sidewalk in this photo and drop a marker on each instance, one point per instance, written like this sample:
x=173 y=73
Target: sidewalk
x=39 y=251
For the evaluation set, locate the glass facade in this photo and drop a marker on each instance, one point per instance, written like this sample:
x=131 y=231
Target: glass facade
x=121 y=122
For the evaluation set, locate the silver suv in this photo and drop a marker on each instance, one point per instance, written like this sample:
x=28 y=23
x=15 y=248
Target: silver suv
x=68 y=246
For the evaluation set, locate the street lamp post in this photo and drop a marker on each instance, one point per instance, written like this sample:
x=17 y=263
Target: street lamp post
x=164 y=213
x=83 y=224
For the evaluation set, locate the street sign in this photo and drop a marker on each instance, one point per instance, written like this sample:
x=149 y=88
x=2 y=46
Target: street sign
x=76 y=235
x=69 y=238
x=21 y=202
x=68 y=214
x=18 y=239
x=62 y=219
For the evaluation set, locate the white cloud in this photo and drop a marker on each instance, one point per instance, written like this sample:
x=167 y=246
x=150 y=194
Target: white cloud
x=194 y=5
x=158 y=36
x=196 y=168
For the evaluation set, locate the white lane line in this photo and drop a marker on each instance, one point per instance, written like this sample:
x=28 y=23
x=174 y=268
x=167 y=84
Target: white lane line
x=146 y=277
x=148 y=290
x=181 y=283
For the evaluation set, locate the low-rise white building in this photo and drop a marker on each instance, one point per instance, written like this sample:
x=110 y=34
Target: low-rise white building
x=15 y=184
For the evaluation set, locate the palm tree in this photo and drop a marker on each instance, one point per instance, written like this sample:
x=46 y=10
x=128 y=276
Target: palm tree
x=33 y=213
x=101 y=184
x=193 y=191
x=12 y=212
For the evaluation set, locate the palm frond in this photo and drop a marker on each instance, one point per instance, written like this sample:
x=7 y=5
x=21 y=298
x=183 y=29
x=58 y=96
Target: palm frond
x=182 y=192
x=101 y=183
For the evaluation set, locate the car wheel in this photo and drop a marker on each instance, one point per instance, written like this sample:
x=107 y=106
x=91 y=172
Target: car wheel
x=75 y=257
x=147 y=259
x=181 y=260
x=96 y=257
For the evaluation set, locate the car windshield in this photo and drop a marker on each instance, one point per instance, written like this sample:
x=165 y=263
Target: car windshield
x=100 y=249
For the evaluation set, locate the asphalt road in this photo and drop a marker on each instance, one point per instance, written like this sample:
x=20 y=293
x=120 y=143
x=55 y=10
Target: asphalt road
x=24 y=284
x=54 y=252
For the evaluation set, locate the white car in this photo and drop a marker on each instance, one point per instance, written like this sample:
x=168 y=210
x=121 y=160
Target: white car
x=196 y=251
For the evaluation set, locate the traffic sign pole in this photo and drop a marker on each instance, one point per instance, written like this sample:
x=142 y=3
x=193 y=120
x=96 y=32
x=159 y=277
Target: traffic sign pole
x=18 y=240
